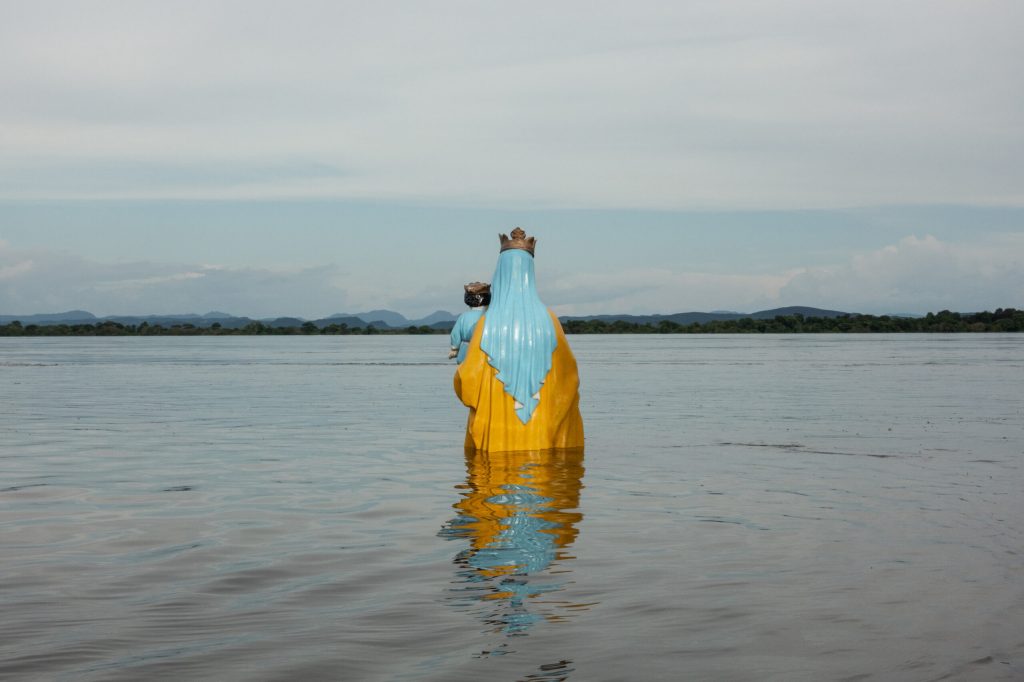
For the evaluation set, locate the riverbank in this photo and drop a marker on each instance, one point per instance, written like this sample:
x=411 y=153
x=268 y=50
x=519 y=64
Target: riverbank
x=943 y=322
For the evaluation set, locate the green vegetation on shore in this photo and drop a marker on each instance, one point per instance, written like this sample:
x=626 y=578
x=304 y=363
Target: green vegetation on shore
x=111 y=328
x=1002 y=320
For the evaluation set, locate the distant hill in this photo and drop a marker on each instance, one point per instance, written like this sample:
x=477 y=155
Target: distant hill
x=679 y=318
x=383 y=319
x=389 y=317
x=50 y=318
x=339 y=319
x=166 y=320
x=795 y=310
x=690 y=318
x=437 y=317
x=85 y=317
x=286 y=322
x=944 y=321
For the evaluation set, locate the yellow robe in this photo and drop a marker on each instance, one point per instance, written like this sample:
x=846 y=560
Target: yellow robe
x=493 y=425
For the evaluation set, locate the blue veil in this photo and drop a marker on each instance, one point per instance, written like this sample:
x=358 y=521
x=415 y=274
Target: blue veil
x=519 y=336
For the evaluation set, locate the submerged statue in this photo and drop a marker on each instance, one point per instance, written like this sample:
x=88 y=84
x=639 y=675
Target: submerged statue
x=519 y=377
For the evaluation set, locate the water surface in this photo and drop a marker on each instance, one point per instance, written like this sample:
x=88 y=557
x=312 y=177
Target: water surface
x=747 y=508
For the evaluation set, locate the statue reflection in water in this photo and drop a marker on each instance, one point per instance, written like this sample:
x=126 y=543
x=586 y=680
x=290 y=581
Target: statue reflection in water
x=518 y=512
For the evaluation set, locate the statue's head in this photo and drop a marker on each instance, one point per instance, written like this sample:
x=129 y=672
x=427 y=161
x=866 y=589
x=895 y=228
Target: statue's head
x=477 y=294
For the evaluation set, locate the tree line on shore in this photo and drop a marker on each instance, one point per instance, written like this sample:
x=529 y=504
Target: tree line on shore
x=112 y=328
x=945 y=321
x=1002 y=320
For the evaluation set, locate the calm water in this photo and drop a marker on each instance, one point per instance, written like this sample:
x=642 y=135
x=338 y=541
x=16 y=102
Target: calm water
x=294 y=508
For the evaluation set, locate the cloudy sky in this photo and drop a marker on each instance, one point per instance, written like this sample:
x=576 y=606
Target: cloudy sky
x=308 y=158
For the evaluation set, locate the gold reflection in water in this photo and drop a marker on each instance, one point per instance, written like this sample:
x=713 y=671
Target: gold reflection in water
x=519 y=512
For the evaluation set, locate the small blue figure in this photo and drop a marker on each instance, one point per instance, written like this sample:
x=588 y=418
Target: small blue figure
x=478 y=296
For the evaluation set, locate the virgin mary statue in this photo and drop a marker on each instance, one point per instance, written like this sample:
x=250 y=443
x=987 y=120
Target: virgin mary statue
x=519 y=378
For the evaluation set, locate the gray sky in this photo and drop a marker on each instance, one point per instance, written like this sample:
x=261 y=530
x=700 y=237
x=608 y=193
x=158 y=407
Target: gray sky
x=317 y=157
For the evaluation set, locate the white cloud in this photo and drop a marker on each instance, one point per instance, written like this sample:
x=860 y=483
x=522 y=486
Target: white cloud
x=915 y=274
x=641 y=104
x=650 y=291
x=16 y=269
x=56 y=282
x=139 y=282
x=918 y=274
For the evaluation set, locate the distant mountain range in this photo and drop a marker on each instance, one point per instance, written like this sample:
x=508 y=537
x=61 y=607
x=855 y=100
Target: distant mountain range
x=690 y=318
x=383 y=319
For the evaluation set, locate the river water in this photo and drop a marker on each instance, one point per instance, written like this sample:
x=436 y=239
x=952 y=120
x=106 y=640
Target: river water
x=808 y=507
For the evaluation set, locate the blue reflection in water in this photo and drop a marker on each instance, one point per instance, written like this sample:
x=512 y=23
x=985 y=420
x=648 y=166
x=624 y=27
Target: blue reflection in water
x=519 y=512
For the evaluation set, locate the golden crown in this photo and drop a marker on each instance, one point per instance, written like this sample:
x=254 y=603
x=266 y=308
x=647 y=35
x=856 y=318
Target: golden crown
x=519 y=240
x=478 y=288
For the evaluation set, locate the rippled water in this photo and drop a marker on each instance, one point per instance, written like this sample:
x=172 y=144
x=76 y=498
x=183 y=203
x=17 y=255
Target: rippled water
x=291 y=508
